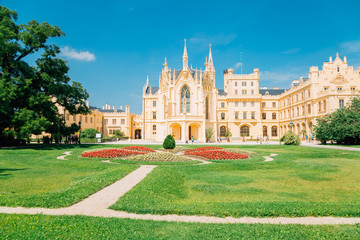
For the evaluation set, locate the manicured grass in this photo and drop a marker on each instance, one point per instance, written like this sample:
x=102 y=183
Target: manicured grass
x=301 y=181
x=80 y=227
x=33 y=177
x=126 y=161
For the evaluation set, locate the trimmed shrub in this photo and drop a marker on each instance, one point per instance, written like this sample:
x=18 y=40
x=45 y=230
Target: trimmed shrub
x=169 y=142
x=291 y=138
x=89 y=133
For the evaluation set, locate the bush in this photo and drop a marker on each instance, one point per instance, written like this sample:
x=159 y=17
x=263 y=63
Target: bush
x=169 y=142
x=46 y=140
x=89 y=133
x=291 y=138
x=209 y=132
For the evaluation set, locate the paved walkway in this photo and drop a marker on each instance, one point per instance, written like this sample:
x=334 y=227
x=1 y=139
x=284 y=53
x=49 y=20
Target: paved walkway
x=330 y=146
x=62 y=157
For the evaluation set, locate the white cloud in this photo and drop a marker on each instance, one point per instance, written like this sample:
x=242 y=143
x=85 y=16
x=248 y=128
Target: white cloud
x=78 y=55
x=291 y=51
x=351 y=46
x=237 y=65
x=219 y=39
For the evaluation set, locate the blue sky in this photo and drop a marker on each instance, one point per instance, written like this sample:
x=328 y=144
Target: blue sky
x=111 y=46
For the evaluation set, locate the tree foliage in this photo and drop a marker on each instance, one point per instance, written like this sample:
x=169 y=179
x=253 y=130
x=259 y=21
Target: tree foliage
x=169 y=142
x=89 y=133
x=30 y=93
x=341 y=126
x=290 y=138
x=209 y=132
x=119 y=133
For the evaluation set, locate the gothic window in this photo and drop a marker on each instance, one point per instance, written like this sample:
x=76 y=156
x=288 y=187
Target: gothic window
x=244 y=131
x=185 y=99
x=222 y=131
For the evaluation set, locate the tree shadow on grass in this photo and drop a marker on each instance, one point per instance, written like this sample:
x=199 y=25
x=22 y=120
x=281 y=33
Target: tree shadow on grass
x=4 y=175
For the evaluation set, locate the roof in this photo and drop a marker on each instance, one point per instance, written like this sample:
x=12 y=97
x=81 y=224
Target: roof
x=222 y=92
x=153 y=90
x=271 y=91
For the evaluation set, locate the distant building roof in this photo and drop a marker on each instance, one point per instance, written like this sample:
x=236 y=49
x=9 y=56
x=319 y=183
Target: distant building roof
x=153 y=90
x=222 y=92
x=271 y=91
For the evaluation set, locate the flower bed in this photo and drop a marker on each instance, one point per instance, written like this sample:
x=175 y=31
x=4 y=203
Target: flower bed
x=175 y=150
x=110 y=153
x=159 y=157
x=202 y=149
x=139 y=149
x=240 y=151
x=217 y=154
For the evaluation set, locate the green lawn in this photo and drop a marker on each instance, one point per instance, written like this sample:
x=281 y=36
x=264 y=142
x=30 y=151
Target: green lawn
x=33 y=177
x=301 y=181
x=80 y=227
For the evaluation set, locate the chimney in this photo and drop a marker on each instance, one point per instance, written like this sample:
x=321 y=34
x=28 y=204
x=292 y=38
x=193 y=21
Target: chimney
x=330 y=59
x=121 y=107
x=345 y=59
x=103 y=107
x=127 y=108
x=114 y=107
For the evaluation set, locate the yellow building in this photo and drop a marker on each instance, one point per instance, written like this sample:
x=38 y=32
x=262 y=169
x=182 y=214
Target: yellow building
x=187 y=102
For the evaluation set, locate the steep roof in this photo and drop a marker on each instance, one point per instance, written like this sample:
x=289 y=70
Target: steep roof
x=153 y=90
x=222 y=92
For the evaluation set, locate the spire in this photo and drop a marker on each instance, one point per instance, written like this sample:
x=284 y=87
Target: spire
x=210 y=64
x=206 y=63
x=337 y=54
x=185 y=57
x=147 y=80
x=165 y=66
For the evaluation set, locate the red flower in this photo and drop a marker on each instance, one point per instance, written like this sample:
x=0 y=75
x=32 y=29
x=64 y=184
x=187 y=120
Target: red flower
x=139 y=149
x=214 y=153
x=110 y=153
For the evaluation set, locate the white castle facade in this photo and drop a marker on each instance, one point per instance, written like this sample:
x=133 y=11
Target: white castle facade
x=186 y=103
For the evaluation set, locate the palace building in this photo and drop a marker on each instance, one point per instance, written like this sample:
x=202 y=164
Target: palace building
x=186 y=102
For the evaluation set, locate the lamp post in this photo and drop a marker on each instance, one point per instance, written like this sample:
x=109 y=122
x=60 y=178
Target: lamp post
x=79 y=130
x=291 y=125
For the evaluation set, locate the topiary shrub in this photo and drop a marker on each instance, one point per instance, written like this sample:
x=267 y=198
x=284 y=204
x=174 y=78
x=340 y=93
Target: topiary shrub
x=291 y=138
x=169 y=142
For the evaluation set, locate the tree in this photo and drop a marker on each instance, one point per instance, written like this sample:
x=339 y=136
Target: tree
x=290 y=138
x=341 y=126
x=119 y=133
x=169 y=142
x=30 y=94
x=89 y=133
x=209 y=132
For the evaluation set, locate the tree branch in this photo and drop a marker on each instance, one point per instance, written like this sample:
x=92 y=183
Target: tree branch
x=24 y=54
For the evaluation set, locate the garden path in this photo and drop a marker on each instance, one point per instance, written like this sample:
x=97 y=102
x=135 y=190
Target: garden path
x=62 y=157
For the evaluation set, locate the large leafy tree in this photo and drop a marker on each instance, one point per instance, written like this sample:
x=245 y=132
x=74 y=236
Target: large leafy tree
x=342 y=126
x=30 y=93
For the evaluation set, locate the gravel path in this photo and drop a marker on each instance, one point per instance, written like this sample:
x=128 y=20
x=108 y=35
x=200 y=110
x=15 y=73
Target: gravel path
x=269 y=158
x=62 y=157
x=97 y=205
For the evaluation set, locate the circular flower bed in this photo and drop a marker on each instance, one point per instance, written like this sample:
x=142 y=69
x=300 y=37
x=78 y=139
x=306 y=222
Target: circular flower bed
x=175 y=150
x=110 y=153
x=202 y=149
x=240 y=151
x=159 y=157
x=217 y=155
x=139 y=149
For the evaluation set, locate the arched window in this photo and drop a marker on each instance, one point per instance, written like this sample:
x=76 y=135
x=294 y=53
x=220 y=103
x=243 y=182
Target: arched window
x=207 y=108
x=244 y=131
x=185 y=99
x=265 y=132
x=274 y=131
x=222 y=131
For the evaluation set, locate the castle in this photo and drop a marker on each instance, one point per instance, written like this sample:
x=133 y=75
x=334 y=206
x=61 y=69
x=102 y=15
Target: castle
x=186 y=103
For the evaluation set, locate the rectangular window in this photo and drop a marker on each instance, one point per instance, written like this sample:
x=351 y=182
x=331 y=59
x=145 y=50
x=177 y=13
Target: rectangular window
x=253 y=104
x=252 y=83
x=154 y=103
x=253 y=115
x=222 y=105
x=91 y=120
x=236 y=92
x=252 y=92
x=243 y=84
x=324 y=106
x=263 y=115
x=114 y=121
x=122 y=121
x=244 y=115
x=154 y=115
x=244 y=92
x=80 y=118
x=273 y=116
x=325 y=88
x=236 y=104
x=339 y=88
x=74 y=118
x=106 y=121
x=244 y=104
x=86 y=119
x=309 y=109
x=222 y=116
x=341 y=103
x=236 y=115
x=263 y=104
x=274 y=104
x=320 y=106
x=154 y=129
x=235 y=84
x=353 y=89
